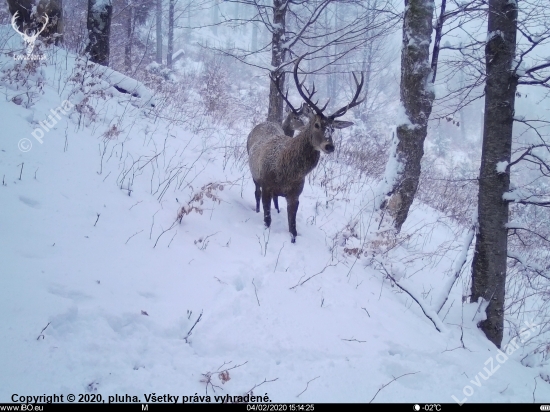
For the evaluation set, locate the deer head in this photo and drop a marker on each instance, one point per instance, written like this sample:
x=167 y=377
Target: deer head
x=321 y=126
x=29 y=39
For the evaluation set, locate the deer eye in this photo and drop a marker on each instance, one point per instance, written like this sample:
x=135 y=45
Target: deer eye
x=317 y=125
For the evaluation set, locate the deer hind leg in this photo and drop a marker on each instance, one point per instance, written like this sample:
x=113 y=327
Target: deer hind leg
x=258 y=194
x=292 y=208
x=276 y=203
x=266 y=201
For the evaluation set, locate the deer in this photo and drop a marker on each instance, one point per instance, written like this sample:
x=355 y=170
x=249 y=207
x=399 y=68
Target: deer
x=29 y=39
x=294 y=121
x=279 y=164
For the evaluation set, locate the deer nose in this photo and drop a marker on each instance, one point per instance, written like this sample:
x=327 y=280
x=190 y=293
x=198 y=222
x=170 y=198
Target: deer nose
x=329 y=148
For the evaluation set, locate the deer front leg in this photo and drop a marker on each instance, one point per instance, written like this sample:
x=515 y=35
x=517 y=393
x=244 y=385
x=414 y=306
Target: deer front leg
x=258 y=194
x=292 y=208
x=266 y=201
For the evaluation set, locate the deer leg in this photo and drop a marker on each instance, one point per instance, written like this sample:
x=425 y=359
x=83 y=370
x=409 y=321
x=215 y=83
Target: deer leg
x=276 y=203
x=292 y=208
x=258 y=194
x=266 y=201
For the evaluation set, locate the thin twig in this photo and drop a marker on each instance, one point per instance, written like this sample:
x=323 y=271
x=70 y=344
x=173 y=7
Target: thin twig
x=164 y=231
x=42 y=332
x=393 y=380
x=307 y=385
x=277 y=262
x=135 y=204
x=432 y=317
x=193 y=327
x=259 y=384
x=137 y=233
x=256 y=292
x=312 y=276
x=172 y=238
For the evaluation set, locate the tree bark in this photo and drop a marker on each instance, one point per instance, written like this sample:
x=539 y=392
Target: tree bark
x=275 y=110
x=170 y=51
x=129 y=39
x=489 y=263
x=99 y=29
x=417 y=99
x=159 y=31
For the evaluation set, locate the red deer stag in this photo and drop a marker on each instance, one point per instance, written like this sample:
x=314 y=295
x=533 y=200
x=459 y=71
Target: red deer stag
x=296 y=119
x=279 y=164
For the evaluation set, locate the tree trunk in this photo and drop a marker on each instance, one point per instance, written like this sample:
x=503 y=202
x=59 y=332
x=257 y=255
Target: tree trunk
x=254 y=37
x=275 y=111
x=215 y=18
x=159 y=31
x=417 y=98
x=489 y=263
x=129 y=39
x=170 y=51
x=99 y=29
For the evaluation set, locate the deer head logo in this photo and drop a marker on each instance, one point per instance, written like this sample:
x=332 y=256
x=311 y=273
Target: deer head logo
x=29 y=39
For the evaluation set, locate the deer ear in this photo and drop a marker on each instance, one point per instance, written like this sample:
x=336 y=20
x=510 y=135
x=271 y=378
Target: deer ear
x=340 y=124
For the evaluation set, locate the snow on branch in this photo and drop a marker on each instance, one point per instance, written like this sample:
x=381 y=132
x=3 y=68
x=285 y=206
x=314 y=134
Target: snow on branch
x=459 y=264
x=530 y=266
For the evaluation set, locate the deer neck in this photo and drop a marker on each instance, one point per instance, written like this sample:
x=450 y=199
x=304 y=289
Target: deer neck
x=286 y=127
x=299 y=157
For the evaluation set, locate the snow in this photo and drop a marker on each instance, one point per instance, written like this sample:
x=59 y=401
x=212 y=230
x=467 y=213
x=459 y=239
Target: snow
x=96 y=298
x=493 y=34
x=502 y=167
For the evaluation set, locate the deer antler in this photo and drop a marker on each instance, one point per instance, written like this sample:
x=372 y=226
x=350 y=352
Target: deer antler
x=338 y=113
x=285 y=95
x=300 y=85
x=14 y=23
x=354 y=102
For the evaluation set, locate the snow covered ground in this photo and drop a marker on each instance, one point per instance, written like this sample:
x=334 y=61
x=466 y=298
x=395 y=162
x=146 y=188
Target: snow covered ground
x=95 y=298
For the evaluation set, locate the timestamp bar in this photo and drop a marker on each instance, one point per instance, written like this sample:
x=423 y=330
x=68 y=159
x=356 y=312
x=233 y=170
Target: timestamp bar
x=257 y=407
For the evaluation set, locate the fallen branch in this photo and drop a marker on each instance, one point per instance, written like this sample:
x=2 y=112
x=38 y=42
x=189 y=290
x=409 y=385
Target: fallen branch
x=193 y=327
x=307 y=385
x=393 y=380
x=312 y=276
x=430 y=314
x=42 y=332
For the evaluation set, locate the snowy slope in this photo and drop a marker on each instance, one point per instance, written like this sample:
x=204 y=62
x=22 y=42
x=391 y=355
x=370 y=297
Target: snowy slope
x=90 y=304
